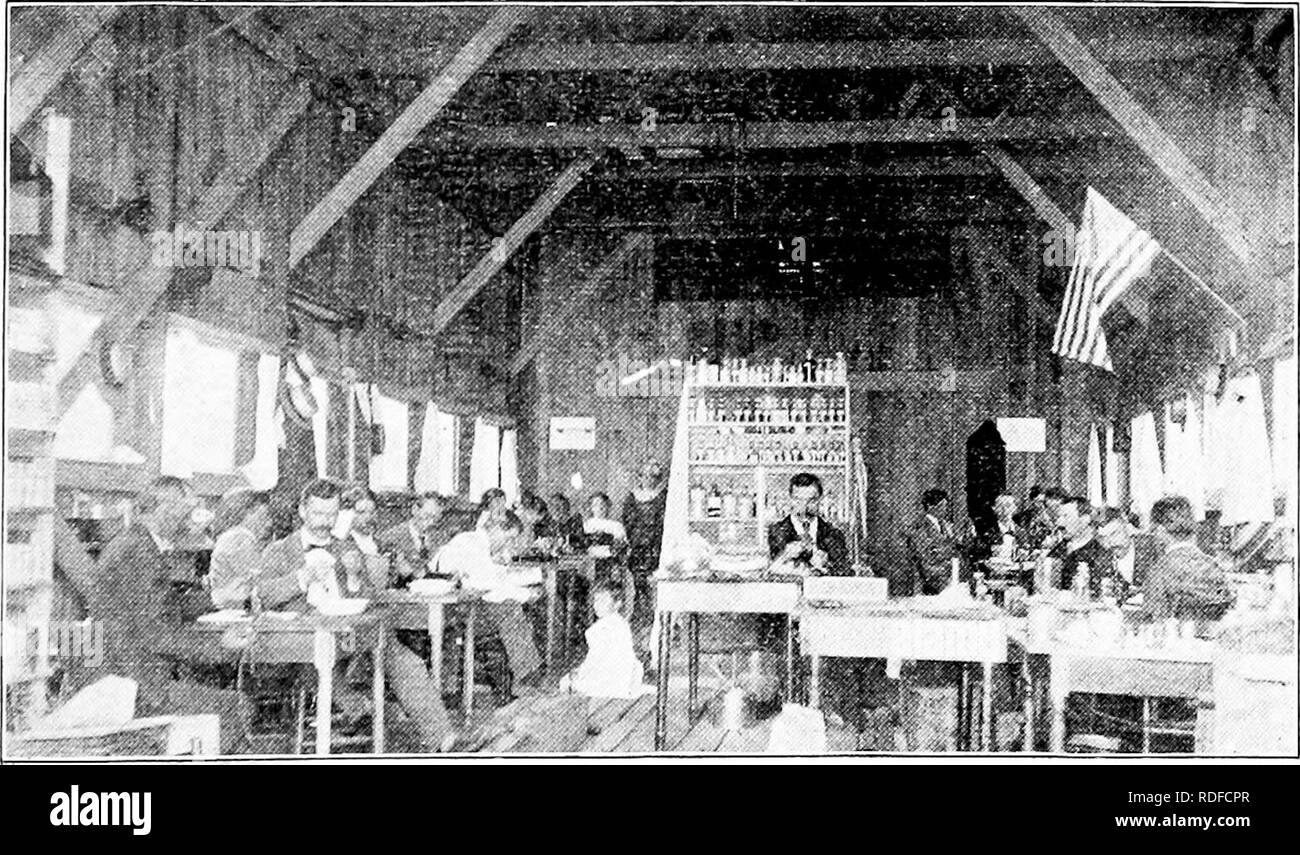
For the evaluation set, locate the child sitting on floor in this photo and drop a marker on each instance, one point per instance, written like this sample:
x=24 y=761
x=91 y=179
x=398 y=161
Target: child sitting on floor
x=611 y=669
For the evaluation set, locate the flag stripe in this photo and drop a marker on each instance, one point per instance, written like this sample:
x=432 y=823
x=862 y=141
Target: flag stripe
x=1111 y=254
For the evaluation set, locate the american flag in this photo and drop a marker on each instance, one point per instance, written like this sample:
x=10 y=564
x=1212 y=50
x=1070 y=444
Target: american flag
x=1110 y=253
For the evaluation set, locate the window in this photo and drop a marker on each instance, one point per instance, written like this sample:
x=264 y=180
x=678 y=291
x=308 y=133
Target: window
x=439 y=453
x=388 y=471
x=485 y=460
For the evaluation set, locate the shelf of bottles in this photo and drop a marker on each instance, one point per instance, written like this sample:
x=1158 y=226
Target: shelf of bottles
x=752 y=427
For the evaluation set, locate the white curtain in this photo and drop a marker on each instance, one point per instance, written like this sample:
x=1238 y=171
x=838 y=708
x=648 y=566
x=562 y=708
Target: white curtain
x=320 y=390
x=1284 y=432
x=1146 y=476
x=1113 y=498
x=388 y=471
x=431 y=450
x=510 y=464
x=86 y=430
x=1248 y=472
x=1214 y=451
x=1183 y=462
x=1095 y=494
x=200 y=395
x=263 y=471
x=485 y=460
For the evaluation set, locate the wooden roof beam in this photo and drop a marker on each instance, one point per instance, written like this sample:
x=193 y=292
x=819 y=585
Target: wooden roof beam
x=491 y=263
x=404 y=129
x=35 y=79
x=579 y=300
x=1145 y=131
x=761 y=135
x=900 y=53
x=144 y=283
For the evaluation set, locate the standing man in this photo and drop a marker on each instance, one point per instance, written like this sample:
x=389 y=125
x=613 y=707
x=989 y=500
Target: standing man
x=129 y=595
x=297 y=561
x=805 y=539
x=931 y=545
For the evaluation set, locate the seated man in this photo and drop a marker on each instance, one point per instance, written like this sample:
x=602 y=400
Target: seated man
x=804 y=538
x=478 y=559
x=931 y=545
x=308 y=557
x=414 y=542
x=1184 y=583
x=1079 y=546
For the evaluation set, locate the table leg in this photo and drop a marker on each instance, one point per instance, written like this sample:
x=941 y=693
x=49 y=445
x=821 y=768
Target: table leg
x=436 y=630
x=692 y=664
x=570 y=602
x=1058 y=687
x=324 y=641
x=377 y=687
x=552 y=597
x=1030 y=688
x=986 y=710
x=964 y=726
x=789 y=659
x=467 y=681
x=1146 y=725
x=665 y=622
x=815 y=683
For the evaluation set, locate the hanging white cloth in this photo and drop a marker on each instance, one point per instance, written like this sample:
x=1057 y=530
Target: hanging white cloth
x=388 y=470
x=1248 y=481
x=1095 y=494
x=1183 y=461
x=1146 y=476
x=510 y=463
x=263 y=471
x=485 y=459
x=86 y=430
x=320 y=390
x=200 y=394
x=426 y=468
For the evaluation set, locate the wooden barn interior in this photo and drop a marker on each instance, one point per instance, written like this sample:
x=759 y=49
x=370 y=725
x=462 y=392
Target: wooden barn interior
x=459 y=248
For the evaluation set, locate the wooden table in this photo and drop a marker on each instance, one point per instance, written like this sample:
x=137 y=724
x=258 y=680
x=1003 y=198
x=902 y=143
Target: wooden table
x=409 y=610
x=1184 y=670
x=307 y=639
x=906 y=630
x=693 y=598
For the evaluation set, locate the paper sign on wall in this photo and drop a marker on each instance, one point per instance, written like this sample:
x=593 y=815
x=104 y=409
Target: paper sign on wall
x=1024 y=434
x=573 y=433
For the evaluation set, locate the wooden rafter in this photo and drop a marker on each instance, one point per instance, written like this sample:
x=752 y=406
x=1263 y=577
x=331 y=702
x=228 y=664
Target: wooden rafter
x=1145 y=131
x=404 y=129
x=578 y=301
x=759 y=135
x=36 y=78
x=144 y=283
x=492 y=262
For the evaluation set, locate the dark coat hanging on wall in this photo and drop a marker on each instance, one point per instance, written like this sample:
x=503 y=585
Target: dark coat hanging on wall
x=986 y=475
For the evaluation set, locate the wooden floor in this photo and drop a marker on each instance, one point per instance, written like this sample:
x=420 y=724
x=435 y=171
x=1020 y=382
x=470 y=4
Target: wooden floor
x=551 y=723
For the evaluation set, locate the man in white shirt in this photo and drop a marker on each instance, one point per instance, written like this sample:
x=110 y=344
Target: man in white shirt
x=478 y=559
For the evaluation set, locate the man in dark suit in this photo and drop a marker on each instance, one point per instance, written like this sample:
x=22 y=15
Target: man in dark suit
x=804 y=538
x=931 y=544
x=130 y=593
x=294 y=563
x=415 y=542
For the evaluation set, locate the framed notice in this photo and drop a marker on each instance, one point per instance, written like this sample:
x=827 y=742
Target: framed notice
x=1024 y=434
x=573 y=433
